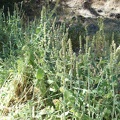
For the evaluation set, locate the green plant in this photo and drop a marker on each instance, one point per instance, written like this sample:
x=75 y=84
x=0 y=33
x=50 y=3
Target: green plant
x=45 y=79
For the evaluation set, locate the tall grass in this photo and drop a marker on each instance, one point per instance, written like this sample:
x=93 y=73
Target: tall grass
x=42 y=78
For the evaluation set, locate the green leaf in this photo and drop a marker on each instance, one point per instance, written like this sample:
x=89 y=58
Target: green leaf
x=40 y=73
x=37 y=30
x=50 y=82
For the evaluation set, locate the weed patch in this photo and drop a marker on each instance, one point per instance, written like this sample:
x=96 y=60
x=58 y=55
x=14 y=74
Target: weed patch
x=44 y=78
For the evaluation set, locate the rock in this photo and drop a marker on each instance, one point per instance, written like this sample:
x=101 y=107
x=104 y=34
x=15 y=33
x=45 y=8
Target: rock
x=117 y=16
x=100 y=11
x=112 y=15
x=81 y=18
x=73 y=18
x=87 y=5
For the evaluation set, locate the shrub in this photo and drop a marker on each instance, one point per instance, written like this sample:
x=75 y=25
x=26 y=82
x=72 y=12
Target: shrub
x=47 y=80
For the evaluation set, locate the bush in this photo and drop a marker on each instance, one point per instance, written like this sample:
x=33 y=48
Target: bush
x=47 y=80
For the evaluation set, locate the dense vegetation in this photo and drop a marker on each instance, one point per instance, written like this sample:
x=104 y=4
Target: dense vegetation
x=42 y=78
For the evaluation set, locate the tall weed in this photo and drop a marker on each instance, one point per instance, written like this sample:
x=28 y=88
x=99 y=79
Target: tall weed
x=47 y=80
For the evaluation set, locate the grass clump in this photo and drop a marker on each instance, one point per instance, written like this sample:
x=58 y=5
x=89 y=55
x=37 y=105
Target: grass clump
x=42 y=78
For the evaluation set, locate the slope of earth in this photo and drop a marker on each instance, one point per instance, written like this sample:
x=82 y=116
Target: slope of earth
x=88 y=12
